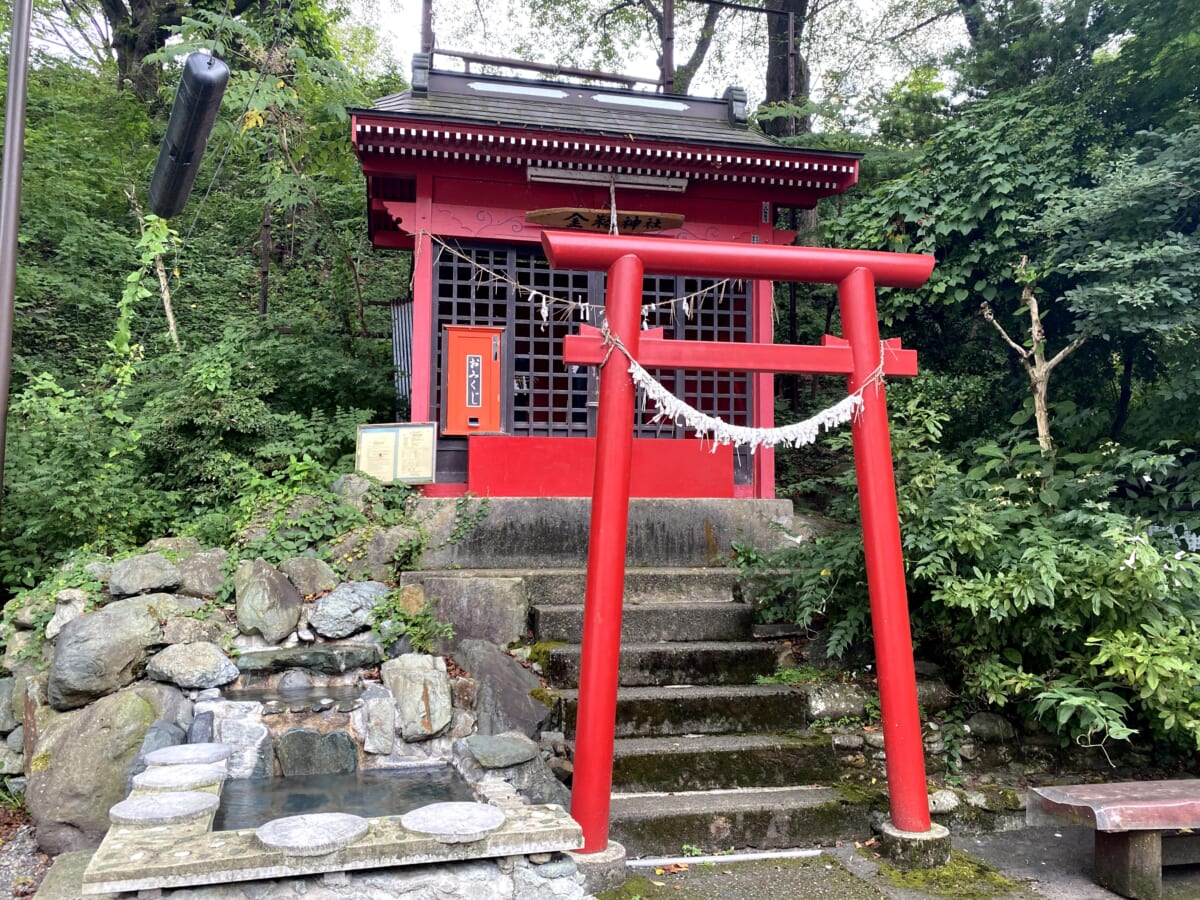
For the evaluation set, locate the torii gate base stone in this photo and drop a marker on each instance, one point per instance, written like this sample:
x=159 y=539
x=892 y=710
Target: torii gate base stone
x=909 y=838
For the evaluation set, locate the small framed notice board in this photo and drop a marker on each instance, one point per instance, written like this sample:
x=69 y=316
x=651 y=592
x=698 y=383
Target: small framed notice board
x=404 y=452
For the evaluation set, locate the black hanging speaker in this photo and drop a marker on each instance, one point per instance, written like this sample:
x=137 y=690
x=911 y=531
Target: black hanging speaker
x=196 y=104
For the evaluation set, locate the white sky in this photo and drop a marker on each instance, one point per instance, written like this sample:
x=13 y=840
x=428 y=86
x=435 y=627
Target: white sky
x=849 y=46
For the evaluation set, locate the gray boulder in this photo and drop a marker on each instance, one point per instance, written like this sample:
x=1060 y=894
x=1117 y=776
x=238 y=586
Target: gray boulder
x=98 y=653
x=309 y=574
x=80 y=765
x=68 y=606
x=267 y=603
x=991 y=728
x=158 y=735
x=492 y=609
x=505 y=698
x=240 y=726
x=536 y=782
x=199 y=665
x=12 y=762
x=305 y=751
x=346 y=609
x=332 y=659
x=500 y=751
x=146 y=574
x=30 y=612
x=422 y=691
x=7 y=720
x=190 y=630
x=372 y=553
x=202 y=574
x=836 y=701
x=353 y=489
x=376 y=720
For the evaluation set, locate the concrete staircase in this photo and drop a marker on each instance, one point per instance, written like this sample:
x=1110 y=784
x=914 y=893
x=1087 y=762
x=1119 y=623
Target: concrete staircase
x=704 y=756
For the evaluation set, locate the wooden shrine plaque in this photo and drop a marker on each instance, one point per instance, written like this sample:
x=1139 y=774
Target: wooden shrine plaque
x=628 y=222
x=404 y=452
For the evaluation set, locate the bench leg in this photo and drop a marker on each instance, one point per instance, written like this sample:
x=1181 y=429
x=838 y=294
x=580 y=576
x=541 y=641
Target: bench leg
x=1130 y=863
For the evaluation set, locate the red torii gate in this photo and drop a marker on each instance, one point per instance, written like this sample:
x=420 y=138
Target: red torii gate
x=859 y=355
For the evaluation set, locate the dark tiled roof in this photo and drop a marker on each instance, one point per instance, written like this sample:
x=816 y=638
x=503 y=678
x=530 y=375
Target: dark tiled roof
x=453 y=97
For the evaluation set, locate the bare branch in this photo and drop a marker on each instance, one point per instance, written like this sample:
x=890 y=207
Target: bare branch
x=685 y=73
x=990 y=317
x=1066 y=351
x=913 y=29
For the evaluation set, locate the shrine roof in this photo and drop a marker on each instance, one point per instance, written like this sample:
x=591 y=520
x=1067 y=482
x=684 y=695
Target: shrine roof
x=489 y=102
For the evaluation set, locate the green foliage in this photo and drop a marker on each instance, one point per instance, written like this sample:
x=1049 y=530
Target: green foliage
x=13 y=799
x=291 y=511
x=36 y=605
x=1038 y=584
x=793 y=676
x=391 y=620
x=469 y=511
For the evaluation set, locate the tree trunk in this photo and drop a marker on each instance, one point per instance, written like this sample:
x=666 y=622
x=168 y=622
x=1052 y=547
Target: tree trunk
x=265 y=270
x=973 y=17
x=1034 y=361
x=685 y=73
x=781 y=61
x=1128 y=350
x=141 y=27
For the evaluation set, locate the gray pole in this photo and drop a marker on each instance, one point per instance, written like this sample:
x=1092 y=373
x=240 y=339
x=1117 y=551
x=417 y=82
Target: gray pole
x=10 y=202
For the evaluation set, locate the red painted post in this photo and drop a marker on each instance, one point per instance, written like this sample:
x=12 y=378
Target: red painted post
x=901 y=721
x=599 y=675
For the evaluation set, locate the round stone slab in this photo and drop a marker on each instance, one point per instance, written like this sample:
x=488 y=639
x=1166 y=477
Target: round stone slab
x=189 y=754
x=180 y=778
x=454 y=823
x=312 y=835
x=164 y=809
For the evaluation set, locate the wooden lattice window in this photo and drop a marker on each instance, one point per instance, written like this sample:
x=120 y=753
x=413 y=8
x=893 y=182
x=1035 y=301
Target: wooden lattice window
x=550 y=398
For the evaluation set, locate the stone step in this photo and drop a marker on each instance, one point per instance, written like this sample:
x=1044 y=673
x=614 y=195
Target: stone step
x=647 y=584
x=696 y=662
x=691 y=709
x=646 y=622
x=508 y=532
x=567 y=586
x=708 y=762
x=658 y=824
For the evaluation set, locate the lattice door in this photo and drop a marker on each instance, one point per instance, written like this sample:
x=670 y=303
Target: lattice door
x=503 y=286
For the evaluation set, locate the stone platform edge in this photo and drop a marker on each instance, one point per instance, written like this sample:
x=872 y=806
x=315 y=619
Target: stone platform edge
x=139 y=858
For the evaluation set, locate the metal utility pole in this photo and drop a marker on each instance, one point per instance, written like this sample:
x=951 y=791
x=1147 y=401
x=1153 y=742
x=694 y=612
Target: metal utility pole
x=667 y=68
x=10 y=202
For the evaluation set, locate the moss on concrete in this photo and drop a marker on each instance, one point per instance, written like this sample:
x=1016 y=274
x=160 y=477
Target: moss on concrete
x=873 y=797
x=540 y=653
x=963 y=878
x=705 y=769
x=822 y=878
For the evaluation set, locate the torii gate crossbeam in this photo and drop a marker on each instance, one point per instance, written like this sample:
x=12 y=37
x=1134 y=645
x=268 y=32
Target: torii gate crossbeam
x=860 y=356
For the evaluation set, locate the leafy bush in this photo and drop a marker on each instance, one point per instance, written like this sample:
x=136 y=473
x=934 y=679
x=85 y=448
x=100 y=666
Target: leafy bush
x=390 y=620
x=1038 y=583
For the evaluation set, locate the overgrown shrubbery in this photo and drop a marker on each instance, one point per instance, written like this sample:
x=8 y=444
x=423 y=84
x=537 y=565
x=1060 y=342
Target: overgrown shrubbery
x=174 y=446
x=1034 y=579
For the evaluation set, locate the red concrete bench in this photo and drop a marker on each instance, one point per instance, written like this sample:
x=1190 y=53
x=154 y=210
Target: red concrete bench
x=1130 y=820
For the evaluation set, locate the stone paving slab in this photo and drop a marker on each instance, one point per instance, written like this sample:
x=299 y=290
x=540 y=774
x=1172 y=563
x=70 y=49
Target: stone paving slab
x=188 y=754
x=134 y=859
x=182 y=777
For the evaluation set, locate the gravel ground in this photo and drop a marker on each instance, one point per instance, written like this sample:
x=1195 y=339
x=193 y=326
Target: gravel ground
x=22 y=865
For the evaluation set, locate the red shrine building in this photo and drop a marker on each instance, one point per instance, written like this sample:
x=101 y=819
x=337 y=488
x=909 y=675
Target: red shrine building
x=467 y=170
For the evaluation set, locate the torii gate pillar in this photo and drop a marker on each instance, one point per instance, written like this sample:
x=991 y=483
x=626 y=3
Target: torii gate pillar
x=860 y=356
